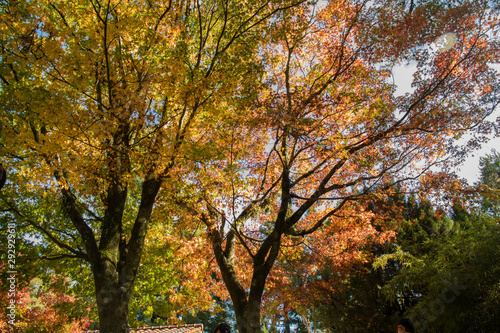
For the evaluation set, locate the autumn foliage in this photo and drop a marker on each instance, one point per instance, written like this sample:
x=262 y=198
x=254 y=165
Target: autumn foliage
x=43 y=307
x=159 y=130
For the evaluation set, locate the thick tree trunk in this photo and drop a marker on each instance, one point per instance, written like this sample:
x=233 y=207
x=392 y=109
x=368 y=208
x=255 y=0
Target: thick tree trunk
x=248 y=313
x=115 y=266
x=253 y=317
x=248 y=319
x=112 y=304
x=113 y=297
x=246 y=304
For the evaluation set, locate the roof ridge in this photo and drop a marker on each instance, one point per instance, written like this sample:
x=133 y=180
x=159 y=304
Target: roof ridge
x=155 y=328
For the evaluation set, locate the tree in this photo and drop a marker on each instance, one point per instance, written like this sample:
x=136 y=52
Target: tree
x=44 y=307
x=100 y=102
x=490 y=176
x=342 y=293
x=328 y=128
x=448 y=276
x=317 y=270
x=440 y=270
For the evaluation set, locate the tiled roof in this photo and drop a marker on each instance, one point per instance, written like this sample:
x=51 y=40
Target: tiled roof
x=195 y=328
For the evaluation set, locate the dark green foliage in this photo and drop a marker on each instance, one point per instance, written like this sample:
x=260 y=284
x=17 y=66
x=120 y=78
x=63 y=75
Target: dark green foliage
x=291 y=322
x=441 y=270
x=211 y=319
x=449 y=273
x=490 y=176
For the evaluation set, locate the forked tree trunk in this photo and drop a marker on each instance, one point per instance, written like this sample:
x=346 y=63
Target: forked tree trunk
x=247 y=304
x=246 y=301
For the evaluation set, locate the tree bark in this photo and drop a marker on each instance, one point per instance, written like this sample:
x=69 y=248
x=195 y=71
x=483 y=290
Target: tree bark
x=114 y=285
x=112 y=304
x=247 y=304
x=114 y=262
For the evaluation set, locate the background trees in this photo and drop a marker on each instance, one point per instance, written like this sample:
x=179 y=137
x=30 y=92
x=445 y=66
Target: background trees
x=440 y=270
x=448 y=280
x=490 y=176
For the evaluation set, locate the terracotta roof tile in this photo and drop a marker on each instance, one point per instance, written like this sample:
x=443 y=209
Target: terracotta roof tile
x=195 y=328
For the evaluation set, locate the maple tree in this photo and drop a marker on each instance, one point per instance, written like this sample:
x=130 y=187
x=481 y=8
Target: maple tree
x=100 y=103
x=43 y=306
x=311 y=269
x=274 y=121
x=46 y=310
x=328 y=128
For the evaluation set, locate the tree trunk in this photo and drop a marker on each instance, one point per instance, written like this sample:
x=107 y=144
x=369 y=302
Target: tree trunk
x=253 y=317
x=115 y=266
x=248 y=320
x=248 y=315
x=112 y=302
x=246 y=304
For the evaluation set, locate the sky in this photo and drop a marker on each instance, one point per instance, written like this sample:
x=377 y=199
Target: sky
x=403 y=75
x=470 y=168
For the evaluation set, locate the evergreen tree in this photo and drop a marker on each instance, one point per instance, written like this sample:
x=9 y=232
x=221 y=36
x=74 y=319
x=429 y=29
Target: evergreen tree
x=490 y=176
